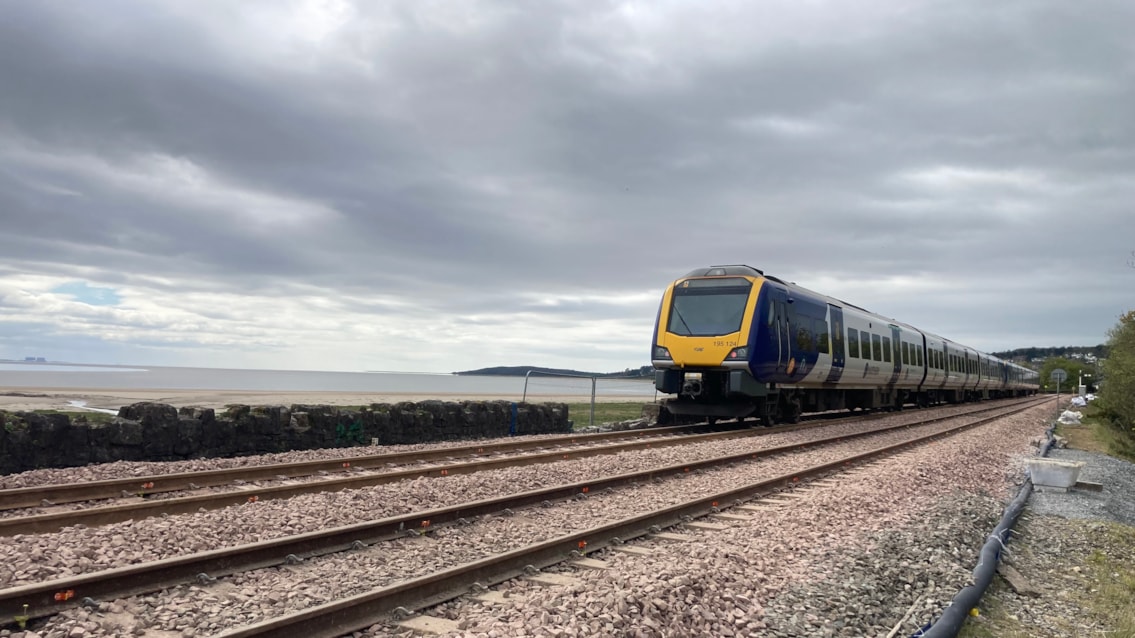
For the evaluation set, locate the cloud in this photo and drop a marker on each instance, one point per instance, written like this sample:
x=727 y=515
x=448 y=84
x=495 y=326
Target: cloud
x=444 y=185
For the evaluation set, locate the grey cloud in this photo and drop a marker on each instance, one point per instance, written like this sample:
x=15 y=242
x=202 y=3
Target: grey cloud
x=568 y=150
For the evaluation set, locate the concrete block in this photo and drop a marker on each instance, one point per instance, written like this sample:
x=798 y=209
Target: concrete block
x=1050 y=473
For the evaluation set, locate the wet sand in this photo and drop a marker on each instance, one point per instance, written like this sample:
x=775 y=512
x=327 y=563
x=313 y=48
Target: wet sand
x=102 y=399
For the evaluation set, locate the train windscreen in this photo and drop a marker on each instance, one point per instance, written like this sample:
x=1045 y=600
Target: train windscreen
x=708 y=307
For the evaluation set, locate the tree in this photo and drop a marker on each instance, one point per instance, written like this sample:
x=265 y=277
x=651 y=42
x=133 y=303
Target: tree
x=1117 y=394
x=1074 y=369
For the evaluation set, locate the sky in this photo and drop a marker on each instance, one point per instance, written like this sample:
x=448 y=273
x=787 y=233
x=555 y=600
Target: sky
x=441 y=185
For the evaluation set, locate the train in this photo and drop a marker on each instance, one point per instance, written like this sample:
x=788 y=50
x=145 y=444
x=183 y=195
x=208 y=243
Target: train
x=731 y=342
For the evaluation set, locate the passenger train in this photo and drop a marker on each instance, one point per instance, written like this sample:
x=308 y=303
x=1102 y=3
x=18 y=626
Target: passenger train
x=733 y=342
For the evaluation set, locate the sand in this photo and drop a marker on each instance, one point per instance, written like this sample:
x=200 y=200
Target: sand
x=102 y=399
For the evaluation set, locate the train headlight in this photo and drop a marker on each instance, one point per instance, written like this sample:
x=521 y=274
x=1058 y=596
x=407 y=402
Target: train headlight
x=661 y=353
x=738 y=354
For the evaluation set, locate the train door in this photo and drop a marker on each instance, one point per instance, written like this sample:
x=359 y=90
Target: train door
x=837 y=343
x=896 y=358
x=782 y=331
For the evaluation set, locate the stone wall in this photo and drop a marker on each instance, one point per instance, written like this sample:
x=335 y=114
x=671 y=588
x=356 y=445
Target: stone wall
x=160 y=432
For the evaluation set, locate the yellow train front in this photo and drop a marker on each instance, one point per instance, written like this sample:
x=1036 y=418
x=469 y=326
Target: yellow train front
x=703 y=346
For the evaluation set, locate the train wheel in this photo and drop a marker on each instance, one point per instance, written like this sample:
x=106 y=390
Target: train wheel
x=793 y=410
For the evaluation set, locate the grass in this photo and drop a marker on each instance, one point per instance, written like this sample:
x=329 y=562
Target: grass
x=580 y=413
x=1104 y=594
x=1097 y=435
x=1113 y=564
x=1113 y=568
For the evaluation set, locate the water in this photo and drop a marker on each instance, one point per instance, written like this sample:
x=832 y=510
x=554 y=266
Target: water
x=69 y=376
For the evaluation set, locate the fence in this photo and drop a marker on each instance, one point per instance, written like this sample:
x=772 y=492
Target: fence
x=646 y=392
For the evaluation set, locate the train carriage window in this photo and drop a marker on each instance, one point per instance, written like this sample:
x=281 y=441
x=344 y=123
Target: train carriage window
x=919 y=352
x=822 y=331
x=906 y=352
x=866 y=345
x=877 y=347
x=853 y=343
x=804 y=339
x=887 y=349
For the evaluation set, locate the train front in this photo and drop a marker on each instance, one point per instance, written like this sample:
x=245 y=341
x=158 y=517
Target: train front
x=703 y=343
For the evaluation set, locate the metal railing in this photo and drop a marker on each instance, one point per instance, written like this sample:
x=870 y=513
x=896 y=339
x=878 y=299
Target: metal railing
x=563 y=374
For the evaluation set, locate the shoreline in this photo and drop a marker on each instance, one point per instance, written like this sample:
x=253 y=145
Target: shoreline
x=103 y=399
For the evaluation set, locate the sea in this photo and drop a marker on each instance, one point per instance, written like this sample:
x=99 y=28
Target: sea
x=17 y=374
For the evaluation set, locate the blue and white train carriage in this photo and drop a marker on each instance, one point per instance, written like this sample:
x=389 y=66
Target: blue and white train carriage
x=732 y=342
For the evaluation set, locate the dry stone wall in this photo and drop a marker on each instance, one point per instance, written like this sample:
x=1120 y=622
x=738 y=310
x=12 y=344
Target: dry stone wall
x=160 y=432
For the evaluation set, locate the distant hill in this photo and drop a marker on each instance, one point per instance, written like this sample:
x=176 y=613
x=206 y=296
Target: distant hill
x=520 y=371
x=1036 y=355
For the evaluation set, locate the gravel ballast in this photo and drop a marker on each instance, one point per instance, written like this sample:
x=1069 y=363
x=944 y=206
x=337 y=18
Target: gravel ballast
x=79 y=550
x=849 y=560
x=868 y=532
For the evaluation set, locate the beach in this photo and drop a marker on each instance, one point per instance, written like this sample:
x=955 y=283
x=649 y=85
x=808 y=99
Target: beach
x=103 y=399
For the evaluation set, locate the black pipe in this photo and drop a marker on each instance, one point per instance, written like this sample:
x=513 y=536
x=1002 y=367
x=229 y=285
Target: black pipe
x=954 y=616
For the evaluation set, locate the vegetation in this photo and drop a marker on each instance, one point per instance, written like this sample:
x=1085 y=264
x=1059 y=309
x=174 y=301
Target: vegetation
x=1114 y=570
x=1075 y=371
x=580 y=413
x=1097 y=435
x=1105 y=594
x=6 y=416
x=1034 y=353
x=1117 y=394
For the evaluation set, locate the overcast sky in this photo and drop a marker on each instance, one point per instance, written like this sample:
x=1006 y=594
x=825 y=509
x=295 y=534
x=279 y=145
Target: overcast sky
x=444 y=185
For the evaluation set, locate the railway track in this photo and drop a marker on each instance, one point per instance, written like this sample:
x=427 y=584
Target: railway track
x=390 y=603
x=351 y=473
x=32 y=601
x=155 y=484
